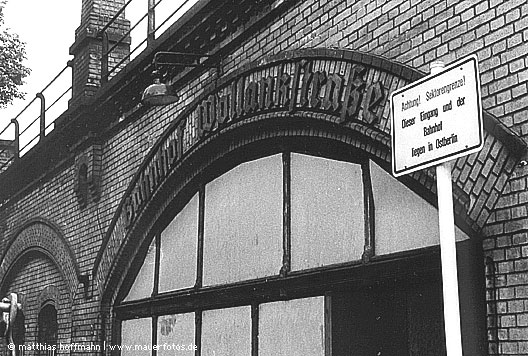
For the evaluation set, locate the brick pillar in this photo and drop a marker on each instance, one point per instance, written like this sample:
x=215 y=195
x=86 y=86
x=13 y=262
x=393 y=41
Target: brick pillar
x=87 y=49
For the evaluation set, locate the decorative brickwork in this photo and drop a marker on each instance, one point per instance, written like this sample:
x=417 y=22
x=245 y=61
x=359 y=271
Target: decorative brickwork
x=492 y=188
x=39 y=235
x=88 y=176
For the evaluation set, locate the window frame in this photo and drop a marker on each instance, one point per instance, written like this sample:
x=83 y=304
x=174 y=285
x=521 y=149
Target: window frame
x=287 y=284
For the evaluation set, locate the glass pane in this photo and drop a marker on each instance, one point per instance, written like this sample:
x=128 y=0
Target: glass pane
x=136 y=337
x=403 y=220
x=227 y=332
x=327 y=212
x=179 y=243
x=176 y=335
x=144 y=284
x=243 y=222
x=292 y=328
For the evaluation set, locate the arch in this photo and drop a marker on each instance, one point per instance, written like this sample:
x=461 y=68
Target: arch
x=334 y=95
x=40 y=235
x=49 y=295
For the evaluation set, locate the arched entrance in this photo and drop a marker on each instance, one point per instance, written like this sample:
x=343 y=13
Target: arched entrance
x=270 y=196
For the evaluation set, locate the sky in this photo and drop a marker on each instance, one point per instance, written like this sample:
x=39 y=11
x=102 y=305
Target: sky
x=48 y=29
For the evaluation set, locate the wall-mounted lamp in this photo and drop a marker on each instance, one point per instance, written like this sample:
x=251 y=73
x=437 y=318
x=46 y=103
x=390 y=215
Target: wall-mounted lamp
x=162 y=94
x=159 y=94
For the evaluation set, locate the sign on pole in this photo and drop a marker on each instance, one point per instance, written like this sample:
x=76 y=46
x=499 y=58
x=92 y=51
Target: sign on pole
x=437 y=118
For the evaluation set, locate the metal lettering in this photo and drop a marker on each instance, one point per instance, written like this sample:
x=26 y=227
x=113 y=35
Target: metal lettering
x=206 y=116
x=240 y=98
x=161 y=160
x=318 y=80
x=251 y=97
x=129 y=212
x=180 y=139
x=295 y=85
x=307 y=79
x=283 y=90
x=373 y=97
x=353 y=94
x=153 y=174
x=144 y=187
x=232 y=107
x=222 y=109
x=266 y=92
x=334 y=89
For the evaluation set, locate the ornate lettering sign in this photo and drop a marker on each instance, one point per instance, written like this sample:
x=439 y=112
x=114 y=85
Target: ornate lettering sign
x=347 y=87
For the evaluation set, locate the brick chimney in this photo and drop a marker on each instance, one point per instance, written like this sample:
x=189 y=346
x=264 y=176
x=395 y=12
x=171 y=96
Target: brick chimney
x=87 y=49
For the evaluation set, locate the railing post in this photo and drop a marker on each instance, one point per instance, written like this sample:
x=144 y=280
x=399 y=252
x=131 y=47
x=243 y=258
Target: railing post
x=42 y=114
x=104 y=58
x=70 y=65
x=151 y=24
x=16 y=154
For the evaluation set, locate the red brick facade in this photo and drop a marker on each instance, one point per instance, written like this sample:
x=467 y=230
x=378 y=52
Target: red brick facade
x=492 y=183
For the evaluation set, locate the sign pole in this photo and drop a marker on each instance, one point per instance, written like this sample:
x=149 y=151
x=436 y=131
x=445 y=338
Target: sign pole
x=448 y=251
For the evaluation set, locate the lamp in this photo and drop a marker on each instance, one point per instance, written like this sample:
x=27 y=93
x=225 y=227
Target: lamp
x=163 y=94
x=159 y=94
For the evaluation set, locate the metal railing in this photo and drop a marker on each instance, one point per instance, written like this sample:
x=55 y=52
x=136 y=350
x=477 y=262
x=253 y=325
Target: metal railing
x=36 y=117
x=139 y=40
x=30 y=134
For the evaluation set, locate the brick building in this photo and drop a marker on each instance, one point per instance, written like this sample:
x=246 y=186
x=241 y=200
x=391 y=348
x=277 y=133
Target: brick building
x=257 y=214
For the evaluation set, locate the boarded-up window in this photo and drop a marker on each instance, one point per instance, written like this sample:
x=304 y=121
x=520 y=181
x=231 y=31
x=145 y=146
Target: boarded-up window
x=176 y=335
x=403 y=220
x=243 y=222
x=327 y=224
x=144 y=284
x=178 y=249
x=292 y=328
x=136 y=337
x=227 y=332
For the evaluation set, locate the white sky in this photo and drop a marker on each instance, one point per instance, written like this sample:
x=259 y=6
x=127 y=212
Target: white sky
x=48 y=29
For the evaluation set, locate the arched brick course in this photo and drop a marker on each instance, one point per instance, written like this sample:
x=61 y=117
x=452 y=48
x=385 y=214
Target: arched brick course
x=43 y=236
x=51 y=294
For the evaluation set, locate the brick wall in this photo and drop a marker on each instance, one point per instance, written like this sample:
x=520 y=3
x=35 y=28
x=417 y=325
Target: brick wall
x=412 y=32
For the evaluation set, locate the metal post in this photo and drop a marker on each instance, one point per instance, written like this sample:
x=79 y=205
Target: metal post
x=446 y=221
x=16 y=155
x=104 y=58
x=42 y=115
x=151 y=24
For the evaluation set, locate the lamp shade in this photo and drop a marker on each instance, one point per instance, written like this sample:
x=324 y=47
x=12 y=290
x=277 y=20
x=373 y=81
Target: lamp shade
x=159 y=94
